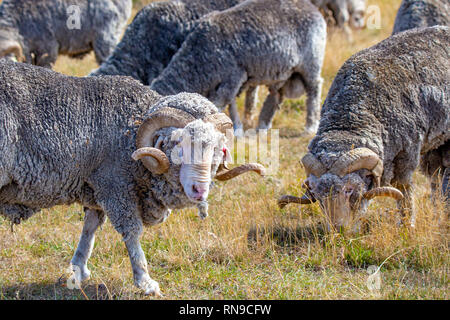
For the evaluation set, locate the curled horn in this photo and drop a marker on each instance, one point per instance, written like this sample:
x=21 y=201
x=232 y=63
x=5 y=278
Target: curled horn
x=384 y=192
x=286 y=199
x=165 y=117
x=230 y=174
x=12 y=47
x=312 y=165
x=156 y=158
x=152 y=158
x=359 y=158
x=220 y=121
x=223 y=123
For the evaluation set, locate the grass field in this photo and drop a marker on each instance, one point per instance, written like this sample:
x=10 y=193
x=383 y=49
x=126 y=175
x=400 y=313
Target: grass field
x=247 y=248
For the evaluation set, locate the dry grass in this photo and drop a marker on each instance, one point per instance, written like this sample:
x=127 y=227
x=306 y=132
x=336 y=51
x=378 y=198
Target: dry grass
x=247 y=248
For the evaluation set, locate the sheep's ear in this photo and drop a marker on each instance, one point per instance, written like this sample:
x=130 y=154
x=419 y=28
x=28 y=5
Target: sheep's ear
x=227 y=155
x=177 y=135
x=177 y=155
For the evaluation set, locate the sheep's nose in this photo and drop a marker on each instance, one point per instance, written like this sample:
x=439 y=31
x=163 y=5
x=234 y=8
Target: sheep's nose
x=200 y=192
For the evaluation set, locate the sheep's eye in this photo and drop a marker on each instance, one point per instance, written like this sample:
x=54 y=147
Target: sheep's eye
x=371 y=179
x=348 y=191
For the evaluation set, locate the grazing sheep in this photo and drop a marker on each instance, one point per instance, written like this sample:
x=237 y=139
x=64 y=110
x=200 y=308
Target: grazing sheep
x=388 y=107
x=37 y=31
x=278 y=43
x=67 y=139
x=154 y=36
x=345 y=12
x=422 y=13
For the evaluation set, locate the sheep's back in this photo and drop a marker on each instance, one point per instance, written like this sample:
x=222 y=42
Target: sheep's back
x=422 y=13
x=57 y=130
x=394 y=95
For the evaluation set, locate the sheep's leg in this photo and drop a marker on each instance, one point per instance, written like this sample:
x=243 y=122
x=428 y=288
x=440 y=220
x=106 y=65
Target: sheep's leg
x=116 y=198
x=445 y=185
x=48 y=57
x=437 y=183
x=234 y=115
x=270 y=106
x=446 y=173
x=251 y=100
x=104 y=45
x=92 y=220
x=440 y=189
x=314 y=93
x=446 y=190
x=139 y=264
x=406 y=205
x=435 y=164
x=226 y=94
x=404 y=165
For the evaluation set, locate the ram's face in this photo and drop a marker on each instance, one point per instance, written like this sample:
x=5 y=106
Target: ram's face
x=345 y=188
x=200 y=151
x=341 y=199
x=194 y=152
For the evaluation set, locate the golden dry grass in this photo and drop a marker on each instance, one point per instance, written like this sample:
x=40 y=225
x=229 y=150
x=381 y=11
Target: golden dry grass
x=247 y=248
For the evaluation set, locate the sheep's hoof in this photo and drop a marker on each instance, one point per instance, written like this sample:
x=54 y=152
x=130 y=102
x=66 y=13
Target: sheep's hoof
x=203 y=210
x=79 y=274
x=310 y=130
x=85 y=274
x=203 y=216
x=149 y=286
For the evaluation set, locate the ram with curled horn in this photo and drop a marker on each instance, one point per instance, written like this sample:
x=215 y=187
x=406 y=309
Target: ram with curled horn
x=98 y=126
x=195 y=174
x=347 y=191
x=375 y=128
x=183 y=142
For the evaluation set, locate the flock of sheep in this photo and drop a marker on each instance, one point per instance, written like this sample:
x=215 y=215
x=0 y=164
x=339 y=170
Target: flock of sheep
x=122 y=147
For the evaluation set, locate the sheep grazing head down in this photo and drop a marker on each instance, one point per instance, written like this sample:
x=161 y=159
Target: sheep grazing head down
x=344 y=191
x=198 y=151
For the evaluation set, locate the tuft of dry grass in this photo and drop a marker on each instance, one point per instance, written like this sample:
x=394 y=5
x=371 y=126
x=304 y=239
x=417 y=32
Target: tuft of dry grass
x=247 y=248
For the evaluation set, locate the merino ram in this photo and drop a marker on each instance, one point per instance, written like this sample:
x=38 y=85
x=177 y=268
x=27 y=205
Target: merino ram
x=387 y=109
x=278 y=43
x=422 y=13
x=66 y=140
x=37 y=31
